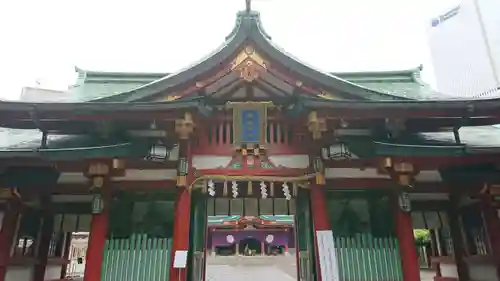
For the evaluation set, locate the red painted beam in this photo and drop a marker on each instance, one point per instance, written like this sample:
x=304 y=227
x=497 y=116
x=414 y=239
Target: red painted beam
x=421 y=163
x=254 y=172
x=83 y=188
x=388 y=184
x=81 y=166
x=402 y=112
x=432 y=163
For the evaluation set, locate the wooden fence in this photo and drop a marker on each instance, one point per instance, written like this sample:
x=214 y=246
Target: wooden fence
x=366 y=258
x=137 y=258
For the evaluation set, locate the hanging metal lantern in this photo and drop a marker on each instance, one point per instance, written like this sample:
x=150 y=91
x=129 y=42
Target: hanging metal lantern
x=158 y=152
x=97 y=204
x=318 y=165
x=339 y=151
x=183 y=167
x=404 y=202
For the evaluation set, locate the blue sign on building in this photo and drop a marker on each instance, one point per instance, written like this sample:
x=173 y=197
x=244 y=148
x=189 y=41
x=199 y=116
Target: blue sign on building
x=250 y=126
x=448 y=15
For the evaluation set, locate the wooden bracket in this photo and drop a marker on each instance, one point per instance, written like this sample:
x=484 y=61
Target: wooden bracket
x=185 y=126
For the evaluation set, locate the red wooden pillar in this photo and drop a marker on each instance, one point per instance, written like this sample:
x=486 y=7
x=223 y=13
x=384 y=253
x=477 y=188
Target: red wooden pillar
x=408 y=251
x=492 y=227
x=7 y=232
x=182 y=215
x=319 y=218
x=97 y=242
x=181 y=231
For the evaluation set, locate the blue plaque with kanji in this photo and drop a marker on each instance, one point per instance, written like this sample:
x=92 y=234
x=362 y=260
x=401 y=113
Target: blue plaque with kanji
x=250 y=126
x=249 y=123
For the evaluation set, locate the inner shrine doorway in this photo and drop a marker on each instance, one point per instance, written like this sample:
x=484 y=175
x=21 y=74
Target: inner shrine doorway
x=274 y=215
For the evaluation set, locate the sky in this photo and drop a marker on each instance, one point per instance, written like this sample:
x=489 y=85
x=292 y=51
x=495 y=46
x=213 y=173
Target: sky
x=44 y=40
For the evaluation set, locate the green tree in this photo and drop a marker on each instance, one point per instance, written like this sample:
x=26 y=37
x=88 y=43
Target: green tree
x=421 y=236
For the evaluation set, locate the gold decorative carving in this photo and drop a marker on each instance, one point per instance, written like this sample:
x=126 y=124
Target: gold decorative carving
x=317 y=126
x=172 y=97
x=184 y=127
x=404 y=179
x=387 y=162
x=97 y=182
x=9 y=193
x=328 y=96
x=249 y=71
x=249 y=64
x=118 y=163
x=248 y=53
x=403 y=167
x=182 y=181
x=98 y=169
x=320 y=179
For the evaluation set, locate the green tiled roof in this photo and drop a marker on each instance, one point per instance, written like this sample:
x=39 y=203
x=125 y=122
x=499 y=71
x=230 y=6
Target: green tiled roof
x=27 y=143
x=473 y=140
x=98 y=84
x=405 y=83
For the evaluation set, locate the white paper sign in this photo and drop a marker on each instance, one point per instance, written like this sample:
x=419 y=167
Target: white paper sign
x=327 y=256
x=180 y=259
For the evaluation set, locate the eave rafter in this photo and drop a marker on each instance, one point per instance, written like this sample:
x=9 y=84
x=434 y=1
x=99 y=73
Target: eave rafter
x=236 y=86
x=193 y=86
x=249 y=66
x=272 y=88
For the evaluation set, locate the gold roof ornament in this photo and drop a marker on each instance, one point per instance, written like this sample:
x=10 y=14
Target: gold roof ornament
x=327 y=95
x=172 y=97
x=249 y=64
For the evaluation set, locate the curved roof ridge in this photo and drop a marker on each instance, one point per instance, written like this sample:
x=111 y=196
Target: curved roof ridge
x=327 y=74
x=130 y=73
x=168 y=75
x=230 y=39
x=404 y=71
x=249 y=27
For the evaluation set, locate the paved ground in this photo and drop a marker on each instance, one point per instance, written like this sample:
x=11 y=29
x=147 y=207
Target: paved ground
x=251 y=269
x=262 y=269
x=427 y=275
x=258 y=269
x=246 y=273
